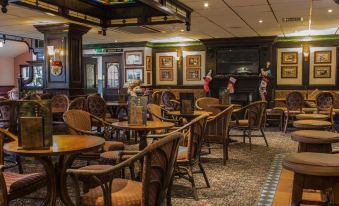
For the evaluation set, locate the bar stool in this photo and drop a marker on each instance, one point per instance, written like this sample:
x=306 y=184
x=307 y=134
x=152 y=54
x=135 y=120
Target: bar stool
x=312 y=124
x=317 y=171
x=312 y=116
x=315 y=140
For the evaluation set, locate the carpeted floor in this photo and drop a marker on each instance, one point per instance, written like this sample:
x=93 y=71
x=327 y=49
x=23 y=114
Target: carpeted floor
x=238 y=183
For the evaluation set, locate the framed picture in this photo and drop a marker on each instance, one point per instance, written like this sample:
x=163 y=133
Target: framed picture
x=193 y=74
x=148 y=78
x=134 y=58
x=166 y=61
x=148 y=63
x=193 y=60
x=322 y=72
x=166 y=75
x=289 y=57
x=289 y=72
x=133 y=74
x=322 y=57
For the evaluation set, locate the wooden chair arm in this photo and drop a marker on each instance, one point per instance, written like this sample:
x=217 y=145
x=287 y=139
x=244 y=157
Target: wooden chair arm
x=9 y=134
x=84 y=132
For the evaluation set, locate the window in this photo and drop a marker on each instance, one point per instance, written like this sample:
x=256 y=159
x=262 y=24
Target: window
x=90 y=76
x=37 y=77
x=112 y=75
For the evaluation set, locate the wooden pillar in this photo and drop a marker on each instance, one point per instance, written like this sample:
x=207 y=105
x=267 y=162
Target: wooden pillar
x=63 y=73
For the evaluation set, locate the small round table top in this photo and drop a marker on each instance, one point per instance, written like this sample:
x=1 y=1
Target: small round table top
x=312 y=116
x=150 y=125
x=311 y=124
x=116 y=103
x=315 y=136
x=195 y=113
x=62 y=145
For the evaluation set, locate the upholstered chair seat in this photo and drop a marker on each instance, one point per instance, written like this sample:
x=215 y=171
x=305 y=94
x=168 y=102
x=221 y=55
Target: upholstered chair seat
x=315 y=136
x=113 y=145
x=240 y=123
x=16 y=182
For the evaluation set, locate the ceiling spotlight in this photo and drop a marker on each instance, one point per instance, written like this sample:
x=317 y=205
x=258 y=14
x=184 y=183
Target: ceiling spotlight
x=182 y=30
x=206 y=4
x=261 y=21
x=330 y=10
x=115 y=41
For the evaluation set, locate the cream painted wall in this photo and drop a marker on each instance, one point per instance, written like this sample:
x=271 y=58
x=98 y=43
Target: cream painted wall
x=6 y=71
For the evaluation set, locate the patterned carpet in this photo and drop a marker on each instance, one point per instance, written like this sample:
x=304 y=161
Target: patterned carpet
x=240 y=182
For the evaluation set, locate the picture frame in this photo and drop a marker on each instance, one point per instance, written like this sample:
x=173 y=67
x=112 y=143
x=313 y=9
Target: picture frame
x=322 y=71
x=193 y=60
x=289 y=72
x=322 y=57
x=148 y=63
x=133 y=74
x=166 y=61
x=148 y=78
x=166 y=75
x=134 y=58
x=289 y=57
x=193 y=74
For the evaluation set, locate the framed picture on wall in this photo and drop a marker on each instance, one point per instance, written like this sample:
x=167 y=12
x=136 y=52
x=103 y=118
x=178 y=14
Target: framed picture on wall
x=322 y=71
x=133 y=74
x=148 y=63
x=134 y=58
x=148 y=78
x=193 y=74
x=322 y=57
x=166 y=75
x=289 y=57
x=193 y=60
x=290 y=72
x=166 y=61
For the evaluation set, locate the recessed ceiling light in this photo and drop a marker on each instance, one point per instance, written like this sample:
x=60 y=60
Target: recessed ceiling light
x=330 y=11
x=1 y=44
x=261 y=21
x=115 y=41
x=49 y=14
x=206 y=4
x=182 y=30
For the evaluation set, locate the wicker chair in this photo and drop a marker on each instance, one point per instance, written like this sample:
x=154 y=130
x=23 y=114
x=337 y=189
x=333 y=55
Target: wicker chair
x=80 y=122
x=217 y=130
x=96 y=105
x=59 y=103
x=294 y=105
x=204 y=102
x=254 y=121
x=169 y=101
x=14 y=185
x=78 y=103
x=325 y=102
x=156 y=97
x=158 y=166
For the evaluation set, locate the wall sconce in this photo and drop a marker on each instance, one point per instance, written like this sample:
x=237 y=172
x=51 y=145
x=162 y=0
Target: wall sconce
x=306 y=52
x=55 y=60
x=179 y=55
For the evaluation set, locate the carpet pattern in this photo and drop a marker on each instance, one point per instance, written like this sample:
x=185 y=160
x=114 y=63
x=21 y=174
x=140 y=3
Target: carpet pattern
x=240 y=182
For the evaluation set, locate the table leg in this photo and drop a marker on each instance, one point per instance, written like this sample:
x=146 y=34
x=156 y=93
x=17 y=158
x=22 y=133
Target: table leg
x=65 y=162
x=143 y=140
x=52 y=183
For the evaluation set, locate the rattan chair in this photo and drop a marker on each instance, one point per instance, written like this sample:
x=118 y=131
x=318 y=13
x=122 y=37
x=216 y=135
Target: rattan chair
x=158 y=166
x=156 y=97
x=96 y=105
x=253 y=120
x=59 y=103
x=217 y=130
x=14 y=185
x=169 y=101
x=325 y=102
x=204 y=102
x=294 y=106
x=78 y=103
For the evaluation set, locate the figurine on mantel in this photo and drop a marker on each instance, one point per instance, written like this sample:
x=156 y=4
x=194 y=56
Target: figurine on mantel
x=265 y=74
x=134 y=88
x=207 y=80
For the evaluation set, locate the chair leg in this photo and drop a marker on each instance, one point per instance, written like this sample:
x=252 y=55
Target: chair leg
x=250 y=138
x=169 y=192
x=286 y=123
x=204 y=174
x=263 y=134
x=209 y=148
x=191 y=179
x=243 y=136
x=18 y=160
x=225 y=151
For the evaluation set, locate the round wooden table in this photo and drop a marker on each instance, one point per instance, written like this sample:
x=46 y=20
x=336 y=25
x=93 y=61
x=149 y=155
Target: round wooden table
x=312 y=116
x=189 y=117
x=143 y=129
x=67 y=148
x=115 y=108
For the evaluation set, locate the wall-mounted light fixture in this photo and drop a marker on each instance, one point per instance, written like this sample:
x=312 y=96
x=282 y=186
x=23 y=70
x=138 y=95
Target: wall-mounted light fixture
x=306 y=52
x=179 y=55
x=2 y=41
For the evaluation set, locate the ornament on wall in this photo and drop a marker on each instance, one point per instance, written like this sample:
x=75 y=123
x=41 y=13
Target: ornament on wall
x=55 y=63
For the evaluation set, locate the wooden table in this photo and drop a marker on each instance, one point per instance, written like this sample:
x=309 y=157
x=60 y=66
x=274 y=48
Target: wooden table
x=236 y=107
x=189 y=117
x=143 y=129
x=283 y=99
x=115 y=108
x=67 y=148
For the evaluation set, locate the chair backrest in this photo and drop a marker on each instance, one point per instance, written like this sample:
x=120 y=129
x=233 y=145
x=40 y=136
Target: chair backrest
x=295 y=101
x=60 y=102
x=256 y=114
x=13 y=94
x=324 y=101
x=204 y=102
x=78 y=119
x=217 y=126
x=78 y=103
x=8 y=115
x=158 y=167
x=156 y=97
x=166 y=98
x=155 y=112
x=96 y=106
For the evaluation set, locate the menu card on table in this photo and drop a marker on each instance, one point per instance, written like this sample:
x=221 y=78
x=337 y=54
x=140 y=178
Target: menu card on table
x=137 y=107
